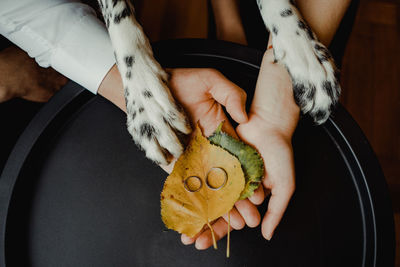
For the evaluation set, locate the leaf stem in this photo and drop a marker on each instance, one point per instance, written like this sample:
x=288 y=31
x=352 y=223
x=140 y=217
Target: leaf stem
x=228 y=242
x=213 y=235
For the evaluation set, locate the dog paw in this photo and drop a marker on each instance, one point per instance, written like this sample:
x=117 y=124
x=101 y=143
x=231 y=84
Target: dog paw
x=153 y=118
x=314 y=76
x=312 y=69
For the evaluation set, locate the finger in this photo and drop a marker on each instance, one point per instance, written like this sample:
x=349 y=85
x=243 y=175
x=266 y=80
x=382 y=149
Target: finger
x=210 y=121
x=187 y=240
x=232 y=97
x=249 y=212
x=276 y=207
x=258 y=197
x=220 y=228
x=237 y=221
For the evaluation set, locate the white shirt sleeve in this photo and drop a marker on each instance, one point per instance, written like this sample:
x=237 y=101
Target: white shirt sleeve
x=65 y=35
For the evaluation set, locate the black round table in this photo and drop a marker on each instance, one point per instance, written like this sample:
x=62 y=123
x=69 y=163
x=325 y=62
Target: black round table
x=77 y=192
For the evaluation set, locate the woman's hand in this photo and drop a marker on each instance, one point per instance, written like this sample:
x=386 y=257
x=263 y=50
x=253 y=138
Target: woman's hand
x=279 y=178
x=203 y=92
x=272 y=120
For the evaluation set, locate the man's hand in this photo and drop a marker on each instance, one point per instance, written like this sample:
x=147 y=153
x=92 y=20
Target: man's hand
x=203 y=92
x=22 y=77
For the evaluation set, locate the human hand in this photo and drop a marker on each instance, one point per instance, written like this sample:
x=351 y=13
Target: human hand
x=272 y=120
x=22 y=77
x=202 y=93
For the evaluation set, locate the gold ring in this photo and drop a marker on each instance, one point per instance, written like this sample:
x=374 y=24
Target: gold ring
x=185 y=184
x=223 y=184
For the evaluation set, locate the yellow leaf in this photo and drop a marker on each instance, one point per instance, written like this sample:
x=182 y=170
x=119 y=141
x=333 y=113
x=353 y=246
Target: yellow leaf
x=204 y=185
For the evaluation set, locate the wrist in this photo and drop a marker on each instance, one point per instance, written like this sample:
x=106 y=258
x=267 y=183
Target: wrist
x=111 y=88
x=273 y=101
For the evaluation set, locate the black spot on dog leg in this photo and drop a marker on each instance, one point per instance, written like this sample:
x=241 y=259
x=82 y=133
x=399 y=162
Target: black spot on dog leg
x=306 y=28
x=274 y=30
x=128 y=74
x=147 y=130
x=322 y=58
x=126 y=92
x=299 y=90
x=328 y=89
x=133 y=115
x=125 y=13
x=172 y=116
x=115 y=2
x=147 y=94
x=259 y=4
x=141 y=109
x=287 y=12
x=165 y=120
x=320 y=115
x=310 y=93
x=129 y=60
x=322 y=53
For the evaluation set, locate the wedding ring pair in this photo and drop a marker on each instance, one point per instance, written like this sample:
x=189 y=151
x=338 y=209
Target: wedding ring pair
x=194 y=183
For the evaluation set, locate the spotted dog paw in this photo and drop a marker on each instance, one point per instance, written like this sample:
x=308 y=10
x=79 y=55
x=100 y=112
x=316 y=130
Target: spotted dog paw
x=312 y=69
x=153 y=117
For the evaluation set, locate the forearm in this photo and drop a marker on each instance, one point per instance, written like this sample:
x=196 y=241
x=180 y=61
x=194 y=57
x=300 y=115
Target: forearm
x=273 y=99
x=228 y=23
x=323 y=16
x=111 y=88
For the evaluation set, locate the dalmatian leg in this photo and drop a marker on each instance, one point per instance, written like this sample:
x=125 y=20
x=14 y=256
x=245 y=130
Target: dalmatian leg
x=153 y=118
x=309 y=63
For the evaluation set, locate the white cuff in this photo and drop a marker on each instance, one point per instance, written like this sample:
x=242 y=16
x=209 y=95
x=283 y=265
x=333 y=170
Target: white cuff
x=85 y=54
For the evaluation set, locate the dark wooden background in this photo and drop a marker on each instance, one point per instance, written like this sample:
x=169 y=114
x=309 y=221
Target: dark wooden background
x=371 y=87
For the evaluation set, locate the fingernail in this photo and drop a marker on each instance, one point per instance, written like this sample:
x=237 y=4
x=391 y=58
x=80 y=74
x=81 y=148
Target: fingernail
x=269 y=236
x=198 y=247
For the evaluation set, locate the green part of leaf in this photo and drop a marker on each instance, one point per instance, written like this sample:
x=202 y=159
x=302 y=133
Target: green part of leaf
x=250 y=159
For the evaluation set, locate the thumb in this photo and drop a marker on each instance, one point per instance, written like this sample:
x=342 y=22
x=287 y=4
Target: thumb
x=232 y=97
